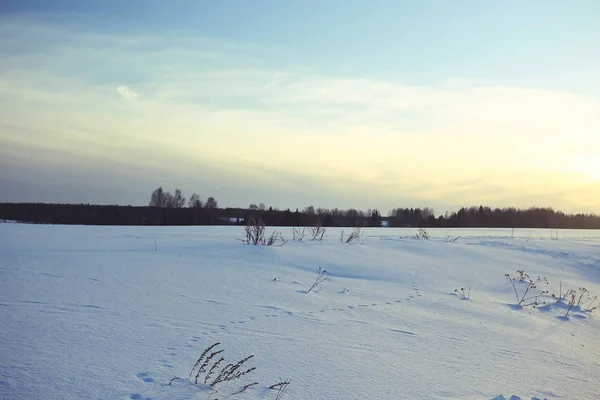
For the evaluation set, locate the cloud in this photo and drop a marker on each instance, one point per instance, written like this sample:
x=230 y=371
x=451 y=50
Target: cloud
x=127 y=93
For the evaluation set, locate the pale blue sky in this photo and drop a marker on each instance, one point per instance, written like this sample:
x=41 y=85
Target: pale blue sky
x=497 y=102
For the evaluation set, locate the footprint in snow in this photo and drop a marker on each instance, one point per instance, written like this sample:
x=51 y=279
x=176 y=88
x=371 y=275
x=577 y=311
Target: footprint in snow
x=137 y=396
x=145 y=377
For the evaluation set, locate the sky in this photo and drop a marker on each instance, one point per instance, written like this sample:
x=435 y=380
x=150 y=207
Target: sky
x=377 y=104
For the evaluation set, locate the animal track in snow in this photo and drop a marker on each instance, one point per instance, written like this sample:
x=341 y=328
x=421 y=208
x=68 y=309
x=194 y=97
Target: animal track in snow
x=144 y=376
x=137 y=396
x=414 y=286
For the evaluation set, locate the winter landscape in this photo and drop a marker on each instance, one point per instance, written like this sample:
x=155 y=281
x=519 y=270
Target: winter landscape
x=118 y=312
x=299 y=200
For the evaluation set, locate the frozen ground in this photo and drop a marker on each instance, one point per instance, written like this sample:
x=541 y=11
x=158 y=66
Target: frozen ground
x=97 y=313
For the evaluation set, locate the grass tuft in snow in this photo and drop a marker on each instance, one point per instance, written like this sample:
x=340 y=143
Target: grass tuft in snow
x=281 y=388
x=450 y=239
x=244 y=388
x=355 y=235
x=464 y=294
x=298 y=234
x=217 y=374
x=571 y=295
x=321 y=277
x=592 y=305
x=422 y=234
x=575 y=301
x=317 y=232
x=531 y=293
x=255 y=234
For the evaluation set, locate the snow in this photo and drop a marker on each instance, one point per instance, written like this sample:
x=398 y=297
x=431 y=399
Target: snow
x=96 y=312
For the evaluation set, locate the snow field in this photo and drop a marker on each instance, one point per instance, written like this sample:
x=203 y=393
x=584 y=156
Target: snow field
x=96 y=312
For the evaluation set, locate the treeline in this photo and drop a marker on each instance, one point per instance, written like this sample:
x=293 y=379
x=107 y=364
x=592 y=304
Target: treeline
x=165 y=208
x=89 y=214
x=486 y=217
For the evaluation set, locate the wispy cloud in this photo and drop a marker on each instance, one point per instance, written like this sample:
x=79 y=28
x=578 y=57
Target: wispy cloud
x=208 y=102
x=127 y=93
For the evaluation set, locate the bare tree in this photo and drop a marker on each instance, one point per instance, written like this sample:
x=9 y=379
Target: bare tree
x=158 y=198
x=427 y=212
x=169 y=200
x=194 y=201
x=262 y=207
x=322 y=211
x=178 y=199
x=210 y=203
x=310 y=210
x=352 y=213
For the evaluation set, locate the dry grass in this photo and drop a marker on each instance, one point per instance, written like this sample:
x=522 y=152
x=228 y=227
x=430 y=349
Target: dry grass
x=255 y=234
x=321 y=277
x=464 y=294
x=450 y=239
x=281 y=388
x=530 y=295
x=298 y=234
x=208 y=370
x=356 y=234
x=575 y=300
x=216 y=374
x=422 y=234
x=317 y=232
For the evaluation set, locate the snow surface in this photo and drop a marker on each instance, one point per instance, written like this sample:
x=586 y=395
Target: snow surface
x=97 y=313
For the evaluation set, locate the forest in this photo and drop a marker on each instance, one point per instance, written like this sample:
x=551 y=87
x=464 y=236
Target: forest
x=165 y=208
